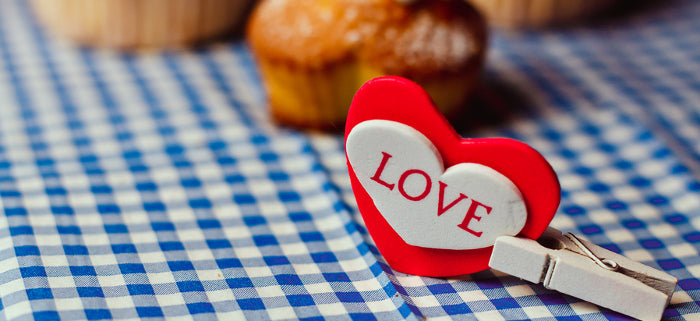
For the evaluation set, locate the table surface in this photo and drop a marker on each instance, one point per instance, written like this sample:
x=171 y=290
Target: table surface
x=156 y=185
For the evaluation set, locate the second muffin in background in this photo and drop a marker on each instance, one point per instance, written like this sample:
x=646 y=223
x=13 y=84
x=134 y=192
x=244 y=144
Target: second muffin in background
x=315 y=54
x=129 y=24
x=540 y=13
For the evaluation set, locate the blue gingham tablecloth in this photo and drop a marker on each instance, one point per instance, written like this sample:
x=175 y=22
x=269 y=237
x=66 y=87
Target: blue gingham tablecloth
x=155 y=184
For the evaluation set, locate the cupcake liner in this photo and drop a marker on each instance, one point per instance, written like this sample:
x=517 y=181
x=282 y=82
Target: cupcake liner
x=320 y=98
x=310 y=98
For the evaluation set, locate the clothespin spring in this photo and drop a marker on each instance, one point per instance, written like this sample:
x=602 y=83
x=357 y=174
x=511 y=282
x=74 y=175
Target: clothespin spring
x=607 y=264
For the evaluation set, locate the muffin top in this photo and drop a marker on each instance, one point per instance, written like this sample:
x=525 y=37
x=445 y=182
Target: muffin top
x=417 y=39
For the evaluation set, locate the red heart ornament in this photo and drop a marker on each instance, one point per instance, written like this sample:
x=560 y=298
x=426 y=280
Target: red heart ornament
x=399 y=100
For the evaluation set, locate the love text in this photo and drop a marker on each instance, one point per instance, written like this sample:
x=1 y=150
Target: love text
x=420 y=195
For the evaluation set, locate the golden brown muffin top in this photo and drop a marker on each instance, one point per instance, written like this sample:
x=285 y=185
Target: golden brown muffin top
x=416 y=39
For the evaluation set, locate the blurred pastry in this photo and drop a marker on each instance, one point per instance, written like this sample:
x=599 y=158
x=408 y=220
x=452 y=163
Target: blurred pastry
x=140 y=23
x=538 y=13
x=315 y=54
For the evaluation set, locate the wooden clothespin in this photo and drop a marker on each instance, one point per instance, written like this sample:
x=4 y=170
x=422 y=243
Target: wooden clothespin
x=581 y=269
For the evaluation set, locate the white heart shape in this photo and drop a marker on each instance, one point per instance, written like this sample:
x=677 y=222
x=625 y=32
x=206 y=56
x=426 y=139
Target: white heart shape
x=464 y=207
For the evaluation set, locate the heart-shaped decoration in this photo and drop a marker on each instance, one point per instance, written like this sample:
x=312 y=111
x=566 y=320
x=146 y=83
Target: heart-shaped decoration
x=428 y=220
x=464 y=207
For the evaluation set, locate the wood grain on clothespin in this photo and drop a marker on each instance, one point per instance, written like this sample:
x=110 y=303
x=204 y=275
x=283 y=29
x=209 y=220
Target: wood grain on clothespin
x=586 y=271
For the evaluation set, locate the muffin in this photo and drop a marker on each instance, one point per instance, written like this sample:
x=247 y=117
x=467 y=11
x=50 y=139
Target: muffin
x=140 y=23
x=539 y=13
x=314 y=54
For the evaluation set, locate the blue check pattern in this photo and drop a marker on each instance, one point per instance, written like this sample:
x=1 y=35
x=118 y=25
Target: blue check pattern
x=154 y=185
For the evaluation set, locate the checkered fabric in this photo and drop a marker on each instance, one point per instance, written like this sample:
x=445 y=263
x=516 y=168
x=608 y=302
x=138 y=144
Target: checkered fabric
x=155 y=184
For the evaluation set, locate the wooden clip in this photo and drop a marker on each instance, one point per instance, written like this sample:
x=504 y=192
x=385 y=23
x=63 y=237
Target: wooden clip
x=581 y=269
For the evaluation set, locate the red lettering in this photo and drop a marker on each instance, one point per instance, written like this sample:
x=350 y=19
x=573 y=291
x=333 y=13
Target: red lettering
x=428 y=184
x=441 y=199
x=378 y=174
x=471 y=215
